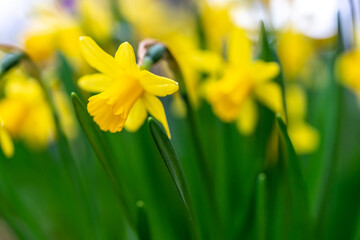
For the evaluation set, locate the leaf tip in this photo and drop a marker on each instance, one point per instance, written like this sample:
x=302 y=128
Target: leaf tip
x=262 y=177
x=140 y=204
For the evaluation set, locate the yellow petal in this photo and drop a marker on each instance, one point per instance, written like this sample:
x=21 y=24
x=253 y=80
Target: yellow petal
x=6 y=143
x=304 y=137
x=295 y=102
x=348 y=70
x=38 y=128
x=136 y=116
x=156 y=109
x=65 y=112
x=178 y=107
x=294 y=51
x=95 y=82
x=104 y=116
x=228 y=94
x=159 y=86
x=126 y=58
x=239 y=50
x=264 y=71
x=270 y=95
x=99 y=59
x=247 y=118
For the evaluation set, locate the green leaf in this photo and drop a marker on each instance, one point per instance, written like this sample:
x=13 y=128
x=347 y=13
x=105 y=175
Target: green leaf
x=202 y=159
x=172 y=163
x=299 y=200
x=268 y=54
x=323 y=166
x=66 y=74
x=260 y=211
x=92 y=132
x=142 y=223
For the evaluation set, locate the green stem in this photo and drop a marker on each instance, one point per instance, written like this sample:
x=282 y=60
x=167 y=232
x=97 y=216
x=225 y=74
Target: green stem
x=205 y=172
x=101 y=150
x=174 y=167
x=260 y=211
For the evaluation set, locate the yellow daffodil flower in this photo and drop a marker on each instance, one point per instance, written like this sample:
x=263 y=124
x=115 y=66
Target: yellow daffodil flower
x=233 y=96
x=6 y=143
x=304 y=137
x=294 y=51
x=348 y=70
x=127 y=93
x=24 y=111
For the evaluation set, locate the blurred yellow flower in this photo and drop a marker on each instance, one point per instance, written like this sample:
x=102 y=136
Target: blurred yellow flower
x=25 y=112
x=216 y=22
x=6 y=143
x=294 y=51
x=304 y=137
x=178 y=106
x=127 y=93
x=232 y=97
x=167 y=18
x=95 y=19
x=193 y=62
x=52 y=29
x=349 y=71
x=64 y=110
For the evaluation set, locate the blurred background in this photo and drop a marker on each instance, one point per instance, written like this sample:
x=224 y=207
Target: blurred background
x=315 y=19
x=54 y=186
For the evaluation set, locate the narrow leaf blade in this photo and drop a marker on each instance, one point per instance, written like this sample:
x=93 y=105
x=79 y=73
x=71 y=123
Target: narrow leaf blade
x=299 y=200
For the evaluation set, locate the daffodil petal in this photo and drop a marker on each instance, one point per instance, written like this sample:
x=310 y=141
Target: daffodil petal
x=270 y=95
x=95 y=83
x=304 y=137
x=99 y=59
x=156 y=109
x=126 y=58
x=159 y=86
x=248 y=117
x=6 y=143
x=264 y=71
x=178 y=106
x=295 y=102
x=136 y=116
x=239 y=50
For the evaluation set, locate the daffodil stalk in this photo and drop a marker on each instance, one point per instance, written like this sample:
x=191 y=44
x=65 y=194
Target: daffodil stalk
x=331 y=156
x=150 y=52
x=206 y=173
x=261 y=202
x=173 y=165
x=154 y=51
x=97 y=142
